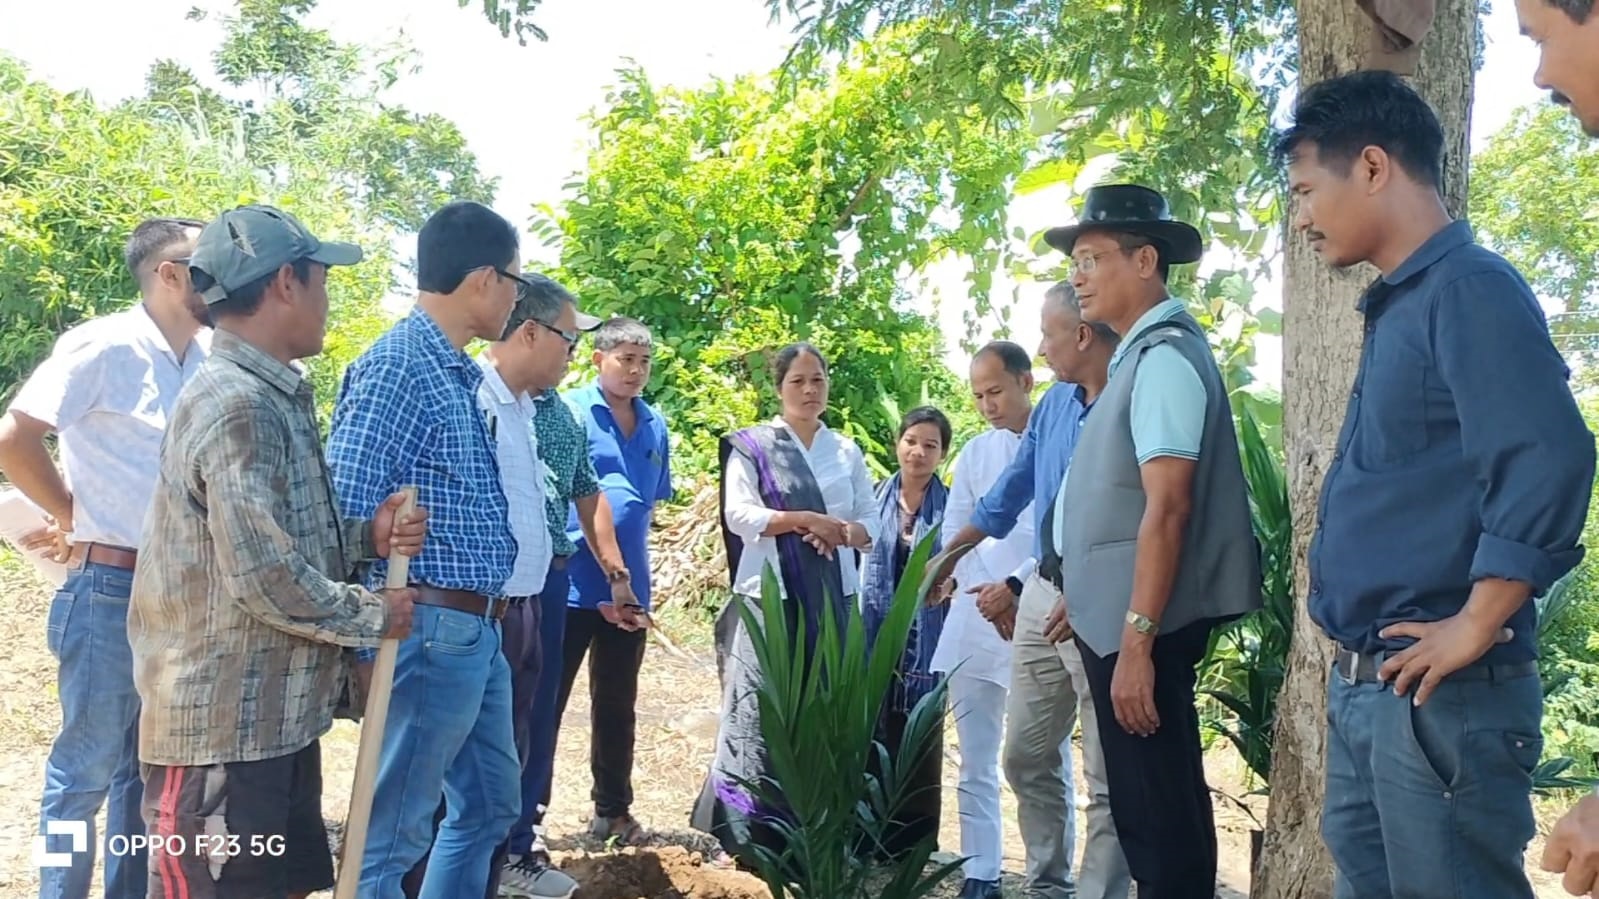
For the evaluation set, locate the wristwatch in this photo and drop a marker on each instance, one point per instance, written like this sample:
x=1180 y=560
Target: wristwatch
x=1142 y=623
x=618 y=576
x=1014 y=584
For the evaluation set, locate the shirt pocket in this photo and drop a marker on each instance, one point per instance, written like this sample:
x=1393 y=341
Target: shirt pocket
x=1393 y=398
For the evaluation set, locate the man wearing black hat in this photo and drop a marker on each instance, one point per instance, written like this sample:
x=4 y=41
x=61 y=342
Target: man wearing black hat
x=1153 y=527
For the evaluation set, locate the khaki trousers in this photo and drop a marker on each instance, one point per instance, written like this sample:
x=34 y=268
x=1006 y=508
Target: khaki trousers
x=1048 y=693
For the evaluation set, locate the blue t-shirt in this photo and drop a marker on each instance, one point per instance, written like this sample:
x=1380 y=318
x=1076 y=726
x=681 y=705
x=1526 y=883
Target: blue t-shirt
x=635 y=473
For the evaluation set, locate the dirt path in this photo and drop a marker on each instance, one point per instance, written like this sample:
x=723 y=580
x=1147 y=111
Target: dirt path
x=677 y=721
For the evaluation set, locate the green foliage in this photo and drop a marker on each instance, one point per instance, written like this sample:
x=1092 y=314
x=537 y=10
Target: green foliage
x=734 y=219
x=512 y=15
x=1532 y=198
x=1246 y=662
x=836 y=807
x=76 y=177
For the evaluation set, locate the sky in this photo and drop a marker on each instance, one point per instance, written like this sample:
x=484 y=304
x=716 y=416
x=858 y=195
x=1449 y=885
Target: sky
x=521 y=108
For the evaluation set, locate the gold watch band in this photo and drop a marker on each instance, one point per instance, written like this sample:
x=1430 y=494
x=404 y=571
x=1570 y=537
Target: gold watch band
x=1142 y=623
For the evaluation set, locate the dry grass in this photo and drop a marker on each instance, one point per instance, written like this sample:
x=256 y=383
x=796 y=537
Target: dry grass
x=677 y=721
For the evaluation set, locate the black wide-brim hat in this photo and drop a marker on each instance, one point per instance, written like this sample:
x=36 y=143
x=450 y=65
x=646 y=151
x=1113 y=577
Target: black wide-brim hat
x=1131 y=209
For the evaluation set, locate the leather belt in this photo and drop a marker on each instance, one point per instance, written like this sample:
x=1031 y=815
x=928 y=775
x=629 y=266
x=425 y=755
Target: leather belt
x=101 y=554
x=461 y=601
x=1361 y=667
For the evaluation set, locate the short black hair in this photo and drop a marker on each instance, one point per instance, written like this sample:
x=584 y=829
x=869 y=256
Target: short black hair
x=787 y=355
x=1578 y=10
x=150 y=238
x=928 y=415
x=1342 y=116
x=539 y=299
x=1011 y=355
x=620 y=330
x=244 y=301
x=458 y=239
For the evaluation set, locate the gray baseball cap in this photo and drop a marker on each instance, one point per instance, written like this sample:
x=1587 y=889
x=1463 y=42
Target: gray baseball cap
x=248 y=243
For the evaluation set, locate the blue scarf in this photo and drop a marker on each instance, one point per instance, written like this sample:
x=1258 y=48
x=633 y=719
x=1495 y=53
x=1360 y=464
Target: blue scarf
x=878 y=583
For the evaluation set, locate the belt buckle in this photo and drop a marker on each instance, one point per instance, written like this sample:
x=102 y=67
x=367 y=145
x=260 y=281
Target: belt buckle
x=1347 y=664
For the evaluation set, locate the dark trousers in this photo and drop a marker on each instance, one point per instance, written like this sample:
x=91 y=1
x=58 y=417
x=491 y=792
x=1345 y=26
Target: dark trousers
x=614 y=657
x=1158 y=795
x=545 y=717
x=520 y=645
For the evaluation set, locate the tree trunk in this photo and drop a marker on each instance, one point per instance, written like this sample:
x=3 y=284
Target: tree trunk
x=1321 y=346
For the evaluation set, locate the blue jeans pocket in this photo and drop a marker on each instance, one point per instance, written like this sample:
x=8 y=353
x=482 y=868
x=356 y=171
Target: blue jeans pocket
x=454 y=635
x=56 y=625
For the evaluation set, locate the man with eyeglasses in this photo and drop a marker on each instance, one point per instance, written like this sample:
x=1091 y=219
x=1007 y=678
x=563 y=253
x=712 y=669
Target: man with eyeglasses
x=105 y=390
x=408 y=413
x=572 y=485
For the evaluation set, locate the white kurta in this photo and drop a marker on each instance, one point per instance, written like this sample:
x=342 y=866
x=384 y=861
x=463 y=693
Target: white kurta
x=969 y=640
x=840 y=471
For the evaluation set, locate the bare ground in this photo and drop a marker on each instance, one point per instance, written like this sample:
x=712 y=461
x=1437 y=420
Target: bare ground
x=677 y=721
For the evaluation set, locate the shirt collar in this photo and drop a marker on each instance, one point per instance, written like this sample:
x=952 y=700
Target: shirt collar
x=496 y=384
x=151 y=333
x=1168 y=308
x=288 y=379
x=596 y=400
x=1449 y=238
x=435 y=342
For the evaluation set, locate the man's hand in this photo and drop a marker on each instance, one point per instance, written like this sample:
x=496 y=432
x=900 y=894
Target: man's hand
x=392 y=533
x=1441 y=649
x=1132 y=691
x=994 y=599
x=1005 y=624
x=400 y=612
x=941 y=593
x=1056 y=627
x=52 y=539
x=1573 y=848
x=628 y=616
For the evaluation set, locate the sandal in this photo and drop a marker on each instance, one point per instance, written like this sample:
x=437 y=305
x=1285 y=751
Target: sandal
x=624 y=830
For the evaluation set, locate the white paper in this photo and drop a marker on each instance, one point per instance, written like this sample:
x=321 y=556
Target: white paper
x=20 y=517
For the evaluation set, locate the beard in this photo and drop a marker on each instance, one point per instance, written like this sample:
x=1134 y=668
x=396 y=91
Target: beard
x=198 y=309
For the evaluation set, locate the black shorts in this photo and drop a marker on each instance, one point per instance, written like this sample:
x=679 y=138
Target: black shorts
x=245 y=830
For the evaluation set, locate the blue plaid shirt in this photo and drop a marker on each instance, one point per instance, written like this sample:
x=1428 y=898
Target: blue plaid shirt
x=407 y=413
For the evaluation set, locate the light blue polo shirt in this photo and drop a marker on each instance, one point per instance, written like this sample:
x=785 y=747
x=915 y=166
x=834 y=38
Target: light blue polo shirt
x=1168 y=405
x=635 y=473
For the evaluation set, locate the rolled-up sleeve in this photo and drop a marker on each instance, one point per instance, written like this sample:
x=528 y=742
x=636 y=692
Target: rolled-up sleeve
x=746 y=515
x=1519 y=427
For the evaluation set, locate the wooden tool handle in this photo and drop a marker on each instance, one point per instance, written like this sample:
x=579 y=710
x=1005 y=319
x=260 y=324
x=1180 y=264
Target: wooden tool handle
x=369 y=755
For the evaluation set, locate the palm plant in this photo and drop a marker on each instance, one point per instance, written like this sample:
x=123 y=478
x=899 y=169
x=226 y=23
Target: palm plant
x=819 y=718
x=1247 y=661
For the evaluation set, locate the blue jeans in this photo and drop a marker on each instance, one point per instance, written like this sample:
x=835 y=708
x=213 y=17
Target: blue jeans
x=545 y=720
x=449 y=734
x=1432 y=802
x=96 y=754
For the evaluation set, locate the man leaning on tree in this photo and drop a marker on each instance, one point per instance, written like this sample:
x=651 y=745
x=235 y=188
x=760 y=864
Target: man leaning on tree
x=1456 y=493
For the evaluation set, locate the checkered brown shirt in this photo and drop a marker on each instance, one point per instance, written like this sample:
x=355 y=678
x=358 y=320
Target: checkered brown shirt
x=240 y=621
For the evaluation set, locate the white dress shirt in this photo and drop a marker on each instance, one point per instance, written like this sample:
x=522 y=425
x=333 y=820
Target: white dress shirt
x=840 y=471
x=107 y=389
x=969 y=640
x=522 y=475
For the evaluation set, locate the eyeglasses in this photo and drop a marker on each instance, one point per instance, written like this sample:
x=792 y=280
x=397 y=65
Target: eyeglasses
x=571 y=337
x=1086 y=264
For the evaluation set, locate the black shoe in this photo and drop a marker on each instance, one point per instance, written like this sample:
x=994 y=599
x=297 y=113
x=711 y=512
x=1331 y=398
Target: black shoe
x=979 y=889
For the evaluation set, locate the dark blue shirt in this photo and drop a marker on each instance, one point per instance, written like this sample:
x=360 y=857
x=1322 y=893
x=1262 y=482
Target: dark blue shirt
x=1462 y=456
x=1035 y=473
x=635 y=473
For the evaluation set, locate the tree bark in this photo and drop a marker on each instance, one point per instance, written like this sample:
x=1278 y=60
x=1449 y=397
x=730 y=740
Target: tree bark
x=1321 y=347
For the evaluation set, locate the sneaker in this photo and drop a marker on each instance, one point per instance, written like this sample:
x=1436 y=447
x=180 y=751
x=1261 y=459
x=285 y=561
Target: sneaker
x=529 y=877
